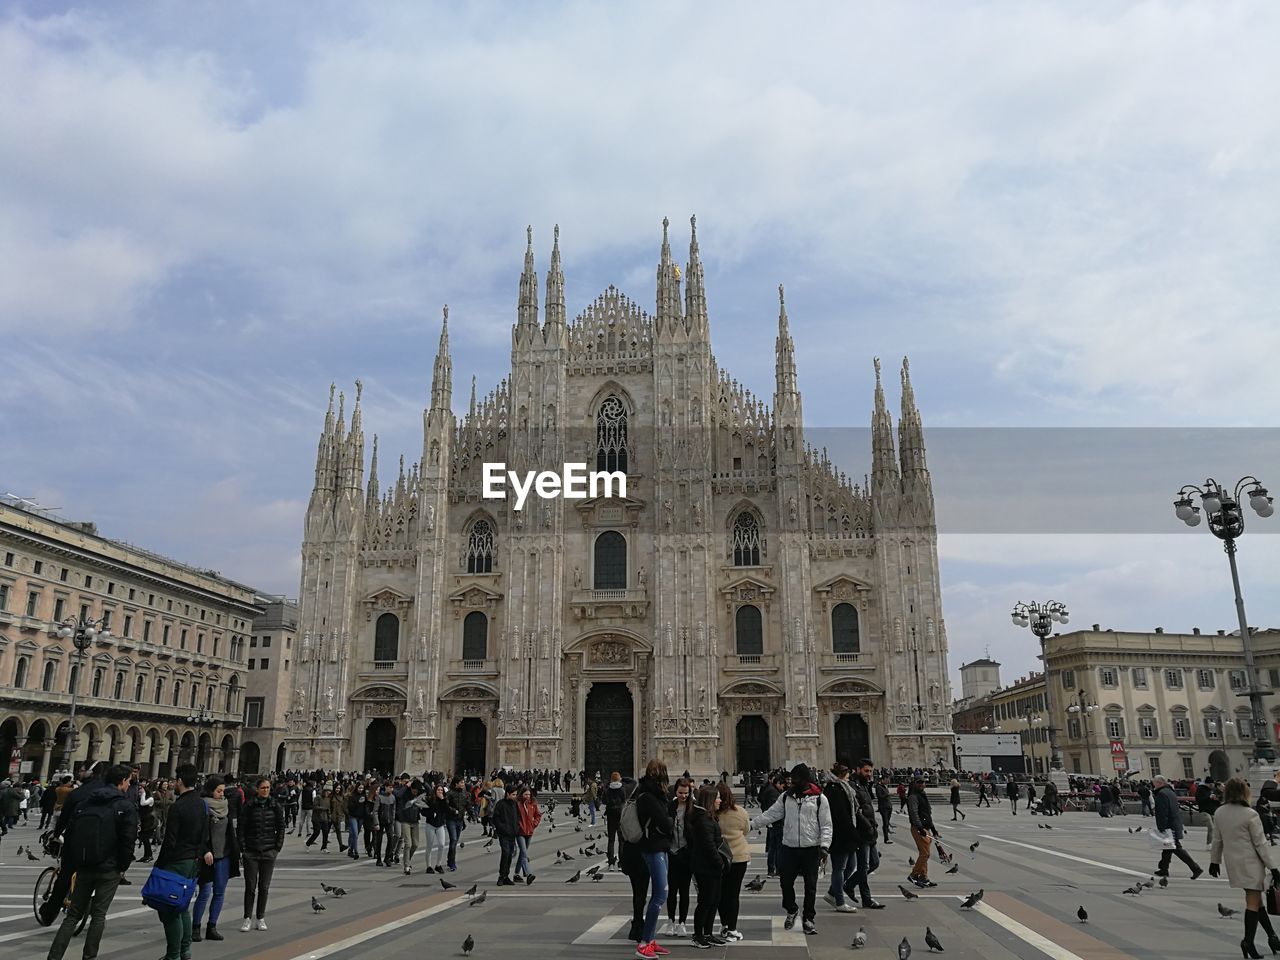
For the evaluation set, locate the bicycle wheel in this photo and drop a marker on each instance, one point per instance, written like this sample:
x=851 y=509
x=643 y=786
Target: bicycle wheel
x=44 y=886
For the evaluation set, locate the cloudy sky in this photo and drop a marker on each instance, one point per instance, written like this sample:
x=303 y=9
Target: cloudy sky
x=1068 y=216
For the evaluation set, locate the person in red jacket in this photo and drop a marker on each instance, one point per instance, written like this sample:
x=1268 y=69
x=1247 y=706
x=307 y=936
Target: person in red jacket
x=530 y=817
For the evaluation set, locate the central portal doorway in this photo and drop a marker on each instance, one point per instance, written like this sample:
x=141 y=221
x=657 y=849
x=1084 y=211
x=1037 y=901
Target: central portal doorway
x=853 y=740
x=610 y=730
x=752 y=735
x=380 y=746
x=468 y=749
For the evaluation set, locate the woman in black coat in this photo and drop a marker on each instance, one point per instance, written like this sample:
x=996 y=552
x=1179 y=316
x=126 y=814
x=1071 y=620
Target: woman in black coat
x=706 y=865
x=655 y=822
x=955 y=802
x=262 y=829
x=213 y=878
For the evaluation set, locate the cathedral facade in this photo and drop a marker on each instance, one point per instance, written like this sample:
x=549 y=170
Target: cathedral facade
x=744 y=605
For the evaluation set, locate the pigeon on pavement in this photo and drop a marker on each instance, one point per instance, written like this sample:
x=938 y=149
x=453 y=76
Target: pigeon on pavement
x=933 y=942
x=480 y=899
x=31 y=856
x=908 y=894
x=316 y=905
x=954 y=869
x=1226 y=911
x=471 y=891
x=1134 y=890
x=1082 y=914
x=576 y=876
x=859 y=939
x=756 y=885
x=971 y=900
x=904 y=950
x=446 y=885
x=325 y=887
x=468 y=945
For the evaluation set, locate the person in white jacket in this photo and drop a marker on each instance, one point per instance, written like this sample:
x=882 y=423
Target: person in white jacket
x=806 y=838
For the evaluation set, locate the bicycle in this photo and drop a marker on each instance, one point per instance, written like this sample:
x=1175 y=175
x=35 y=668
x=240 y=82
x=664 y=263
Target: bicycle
x=44 y=884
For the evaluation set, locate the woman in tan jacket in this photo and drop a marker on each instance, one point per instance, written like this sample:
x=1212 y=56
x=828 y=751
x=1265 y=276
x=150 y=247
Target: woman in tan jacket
x=734 y=824
x=1240 y=842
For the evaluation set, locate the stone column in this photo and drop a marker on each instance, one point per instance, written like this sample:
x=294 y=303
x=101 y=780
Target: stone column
x=47 y=762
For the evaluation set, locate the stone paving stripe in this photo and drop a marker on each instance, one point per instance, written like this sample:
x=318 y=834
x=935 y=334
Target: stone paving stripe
x=1067 y=856
x=49 y=930
x=1062 y=941
x=358 y=931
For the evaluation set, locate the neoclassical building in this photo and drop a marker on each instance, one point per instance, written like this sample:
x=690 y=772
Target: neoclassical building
x=744 y=604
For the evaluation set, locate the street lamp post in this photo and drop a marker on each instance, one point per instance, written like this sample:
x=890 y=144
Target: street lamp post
x=81 y=632
x=1040 y=617
x=1226 y=522
x=1084 y=709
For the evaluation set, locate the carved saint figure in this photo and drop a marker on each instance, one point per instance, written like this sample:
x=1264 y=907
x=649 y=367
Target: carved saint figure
x=544 y=699
x=577 y=576
x=671 y=699
x=702 y=700
x=420 y=706
x=642 y=577
x=328 y=699
x=515 y=699
x=301 y=696
x=431 y=518
x=793 y=510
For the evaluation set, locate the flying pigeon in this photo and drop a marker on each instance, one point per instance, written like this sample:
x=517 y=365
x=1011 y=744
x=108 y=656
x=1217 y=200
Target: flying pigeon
x=954 y=869
x=471 y=892
x=1134 y=890
x=971 y=901
x=859 y=939
x=1226 y=911
x=1082 y=914
x=446 y=885
x=316 y=905
x=756 y=885
x=933 y=942
x=468 y=945
x=576 y=876
x=908 y=894
x=904 y=950
x=480 y=899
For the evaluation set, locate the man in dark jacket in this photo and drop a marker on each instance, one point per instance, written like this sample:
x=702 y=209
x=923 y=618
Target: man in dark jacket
x=506 y=825
x=769 y=795
x=1207 y=803
x=186 y=842
x=1169 y=818
x=62 y=882
x=884 y=803
x=1011 y=791
x=863 y=788
x=923 y=832
x=456 y=818
x=614 y=800
x=96 y=881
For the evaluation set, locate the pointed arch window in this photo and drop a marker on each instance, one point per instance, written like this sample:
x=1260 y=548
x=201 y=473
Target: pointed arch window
x=746 y=540
x=748 y=631
x=480 y=548
x=844 y=629
x=475 y=636
x=611 y=436
x=386 y=638
x=610 y=561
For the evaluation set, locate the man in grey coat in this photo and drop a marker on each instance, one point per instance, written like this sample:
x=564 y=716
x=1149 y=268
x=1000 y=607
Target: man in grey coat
x=1169 y=817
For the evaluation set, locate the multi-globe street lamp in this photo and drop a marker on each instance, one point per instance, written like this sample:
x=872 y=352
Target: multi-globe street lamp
x=1226 y=522
x=81 y=632
x=1084 y=710
x=1040 y=618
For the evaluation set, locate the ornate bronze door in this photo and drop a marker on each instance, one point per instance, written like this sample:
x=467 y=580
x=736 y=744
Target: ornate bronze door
x=468 y=750
x=610 y=730
x=853 y=741
x=752 y=734
x=380 y=745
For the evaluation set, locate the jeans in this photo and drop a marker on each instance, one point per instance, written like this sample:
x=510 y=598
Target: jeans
x=886 y=814
x=177 y=923
x=455 y=831
x=522 y=864
x=94 y=891
x=592 y=807
x=704 y=915
x=799 y=862
x=924 y=841
x=772 y=842
x=437 y=843
x=657 y=864
x=409 y=840
x=731 y=894
x=218 y=889
x=1147 y=809
x=842 y=867
x=862 y=875
x=257 y=880
x=304 y=821
x=353 y=833
x=508 y=847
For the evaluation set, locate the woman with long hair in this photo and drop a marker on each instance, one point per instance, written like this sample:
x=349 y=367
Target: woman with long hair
x=706 y=865
x=955 y=802
x=631 y=862
x=356 y=811
x=1240 y=842
x=680 y=876
x=844 y=836
x=734 y=826
x=320 y=820
x=530 y=817
x=212 y=878
x=435 y=815
x=655 y=823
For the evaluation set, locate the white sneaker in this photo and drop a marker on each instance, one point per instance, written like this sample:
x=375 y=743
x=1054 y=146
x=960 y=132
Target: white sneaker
x=247 y=925
x=734 y=935
x=829 y=898
x=682 y=930
x=262 y=924
x=846 y=907
x=669 y=930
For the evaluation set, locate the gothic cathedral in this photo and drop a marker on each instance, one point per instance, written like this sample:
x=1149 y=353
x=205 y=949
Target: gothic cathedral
x=744 y=605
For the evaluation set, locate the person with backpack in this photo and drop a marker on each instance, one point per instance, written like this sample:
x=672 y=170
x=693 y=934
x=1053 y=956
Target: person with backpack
x=261 y=831
x=646 y=821
x=845 y=836
x=806 y=837
x=631 y=861
x=71 y=799
x=185 y=844
x=213 y=878
x=613 y=803
x=97 y=849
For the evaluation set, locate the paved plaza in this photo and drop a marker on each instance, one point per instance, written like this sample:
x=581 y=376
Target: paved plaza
x=1034 y=880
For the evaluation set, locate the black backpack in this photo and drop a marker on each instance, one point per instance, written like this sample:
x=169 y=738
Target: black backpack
x=91 y=835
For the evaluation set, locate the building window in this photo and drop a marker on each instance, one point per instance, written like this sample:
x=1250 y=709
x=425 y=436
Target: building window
x=33 y=603
x=8 y=559
x=1173 y=679
x=159 y=689
x=386 y=638
x=4 y=596
x=1181 y=728
x=480 y=547
x=266 y=664
x=199 y=643
x=748 y=632
x=1204 y=679
x=177 y=692
x=1244 y=726
x=117 y=692
x=128 y=626
x=1237 y=678
x=1189 y=768
x=111 y=588
x=1153 y=764
x=610 y=561
x=96 y=689
x=1139 y=677
x=59 y=607
x=88 y=581
x=146 y=631
x=266 y=642
x=1115 y=728
x=182 y=639
x=1073 y=729
x=475 y=636
x=253 y=711
x=137 y=689
x=1107 y=676
x=1213 y=728
x=1068 y=679
x=1147 y=726
x=38 y=567
x=164 y=636
x=131 y=593
x=253 y=663
x=611 y=436
x=46 y=684
x=746 y=540
x=20 y=672
x=208 y=697
x=844 y=629
x=63 y=574
x=253 y=643
x=195 y=696
x=84 y=611
x=106 y=621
